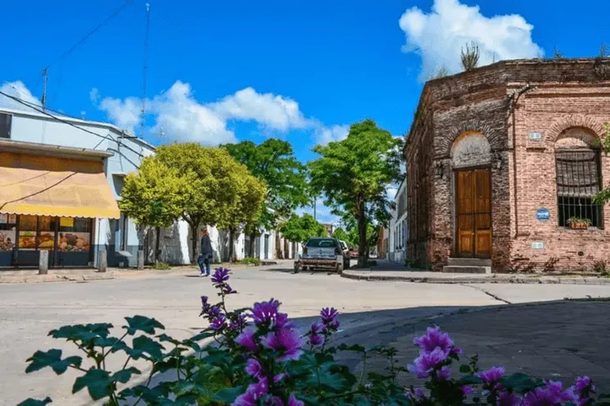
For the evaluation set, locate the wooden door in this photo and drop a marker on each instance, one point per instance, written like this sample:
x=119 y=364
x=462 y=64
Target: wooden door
x=473 y=191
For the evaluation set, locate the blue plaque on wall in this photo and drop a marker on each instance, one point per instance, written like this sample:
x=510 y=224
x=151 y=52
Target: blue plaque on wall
x=543 y=214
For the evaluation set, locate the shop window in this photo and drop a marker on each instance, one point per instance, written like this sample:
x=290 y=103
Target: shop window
x=74 y=235
x=46 y=235
x=8 y=236
x=578 y=180
x=5 y=125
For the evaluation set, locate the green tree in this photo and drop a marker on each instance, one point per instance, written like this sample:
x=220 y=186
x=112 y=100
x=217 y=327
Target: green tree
x=350 y=238
x=251 y=192
x=273 y=162
x=470 y=56
x=211 y=181
x=151 y=197
x=302 y=228
x=355 y=173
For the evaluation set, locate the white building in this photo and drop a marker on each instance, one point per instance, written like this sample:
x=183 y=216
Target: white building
x=397 y=241
x=122 y=154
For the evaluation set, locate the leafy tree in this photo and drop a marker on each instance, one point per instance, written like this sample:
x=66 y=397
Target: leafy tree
x=470 y=56
x=212 y=182
x=151 y=197
x=273 y=162
x=350 y=238
x=355 y=173
x=250 y=195
x=302 y=228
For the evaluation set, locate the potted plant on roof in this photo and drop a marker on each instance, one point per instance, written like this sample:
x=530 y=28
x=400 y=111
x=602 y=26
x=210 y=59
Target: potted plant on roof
x=578 y=223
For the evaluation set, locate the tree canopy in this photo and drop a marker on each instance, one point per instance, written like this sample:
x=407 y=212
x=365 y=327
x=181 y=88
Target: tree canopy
x=354 y=174
x=273 y=162
x=302 y=228
x=213 y=184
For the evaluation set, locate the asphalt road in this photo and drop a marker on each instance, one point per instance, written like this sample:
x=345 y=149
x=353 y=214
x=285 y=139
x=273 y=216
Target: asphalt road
x=29 y=311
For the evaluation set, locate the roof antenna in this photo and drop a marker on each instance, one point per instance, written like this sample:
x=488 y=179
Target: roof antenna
x=145 y=70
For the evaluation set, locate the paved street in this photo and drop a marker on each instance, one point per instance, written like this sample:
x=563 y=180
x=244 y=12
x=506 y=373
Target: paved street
x=380 y=312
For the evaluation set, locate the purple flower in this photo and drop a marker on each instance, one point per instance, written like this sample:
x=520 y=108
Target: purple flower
x=246 y=340
x=220 y=275
x=315 y=340
x=329 y=317
x=467 y=390
x=282 y=321
x=253 y=394
x=551 y=394
x=254 y=368
x=508 y=399
x=314 y=336
x=417 y=396
x=582 y=390
x=214 y=312
x=492 y=375
x=279 y=377
x=264 y=312
x=435 y=338
x=228 y=290
x=205 y=306
x=427 y=362
x=292 y=401
x=239 y=323
x=444 y=373
x=287 y=341
x=218 y=323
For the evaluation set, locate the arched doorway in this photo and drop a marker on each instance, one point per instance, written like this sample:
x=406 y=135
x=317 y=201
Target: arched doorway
x=471 y=160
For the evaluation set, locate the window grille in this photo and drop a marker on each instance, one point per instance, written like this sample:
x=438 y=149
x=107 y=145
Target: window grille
x=578 y=180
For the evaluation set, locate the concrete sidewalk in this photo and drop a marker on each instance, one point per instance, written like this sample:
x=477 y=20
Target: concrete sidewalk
x=390 y=271
x=91 y=274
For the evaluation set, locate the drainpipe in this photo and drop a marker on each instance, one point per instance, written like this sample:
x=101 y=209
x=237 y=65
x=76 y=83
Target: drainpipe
x=518 y=93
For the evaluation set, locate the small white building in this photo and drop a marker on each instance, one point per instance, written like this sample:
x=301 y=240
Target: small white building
x=397 y=240
x=122 y=154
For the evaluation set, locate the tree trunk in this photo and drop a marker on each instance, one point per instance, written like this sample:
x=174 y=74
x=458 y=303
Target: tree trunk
x=157 y=238
x=278 y=246
x=362 y=241
x=252 y=241
x=194 y=242
x=231 y=245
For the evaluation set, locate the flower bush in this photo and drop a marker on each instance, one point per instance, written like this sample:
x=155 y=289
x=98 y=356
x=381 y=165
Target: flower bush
x=258 y=356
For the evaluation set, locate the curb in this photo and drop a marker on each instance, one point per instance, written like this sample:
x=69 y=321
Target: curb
x=16 y=279
x=547 y=280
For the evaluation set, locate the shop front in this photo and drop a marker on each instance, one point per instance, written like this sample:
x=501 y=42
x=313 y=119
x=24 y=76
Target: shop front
x=49 y=199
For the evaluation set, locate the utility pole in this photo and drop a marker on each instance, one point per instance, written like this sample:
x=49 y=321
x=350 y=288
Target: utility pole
x=145 y=69
x=45 y=79
x=315 y=203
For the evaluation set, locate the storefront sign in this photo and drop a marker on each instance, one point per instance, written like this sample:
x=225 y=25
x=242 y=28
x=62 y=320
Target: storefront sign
x=66 y=221
x=543 y=214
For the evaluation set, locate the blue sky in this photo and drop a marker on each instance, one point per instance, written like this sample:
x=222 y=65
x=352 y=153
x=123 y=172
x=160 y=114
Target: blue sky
x=223 y=71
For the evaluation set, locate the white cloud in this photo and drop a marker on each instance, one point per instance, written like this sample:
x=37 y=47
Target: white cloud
x=94 y=95
x=439 y=36
x=124 y=113
x=179 y=116
x=19 y=90
x=275 y=112
x=324 y=134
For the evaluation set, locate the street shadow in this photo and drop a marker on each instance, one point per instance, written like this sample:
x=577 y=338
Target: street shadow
x=554 y=340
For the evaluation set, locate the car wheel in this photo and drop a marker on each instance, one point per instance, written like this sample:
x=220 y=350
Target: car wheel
x=339 y=269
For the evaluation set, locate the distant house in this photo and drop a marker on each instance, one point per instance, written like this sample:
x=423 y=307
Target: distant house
x=398 y=231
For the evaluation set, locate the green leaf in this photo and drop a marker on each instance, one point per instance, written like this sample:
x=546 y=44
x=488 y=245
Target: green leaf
x=354 y=348
x=201 y=336
x=145 y=347
x=97 y=382
x=471 y=380
x=142 y=323
x=520 y=382
x=465 y=369
x=113 y=342
x=229 y=395
x=124 y=375
x=82 y=332
x=35 y=402
x=52 y=359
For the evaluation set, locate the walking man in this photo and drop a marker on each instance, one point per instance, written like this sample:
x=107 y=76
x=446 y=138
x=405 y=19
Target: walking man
x=206 y=253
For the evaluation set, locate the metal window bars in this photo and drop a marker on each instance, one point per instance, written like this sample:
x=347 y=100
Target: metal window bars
x=578 y=180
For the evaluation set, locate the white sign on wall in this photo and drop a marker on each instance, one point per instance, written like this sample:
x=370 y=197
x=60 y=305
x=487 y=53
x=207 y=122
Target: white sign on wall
x=537 y=245
x=535 y=136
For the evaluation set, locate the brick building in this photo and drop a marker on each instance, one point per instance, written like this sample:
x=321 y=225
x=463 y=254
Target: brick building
x=501 y=158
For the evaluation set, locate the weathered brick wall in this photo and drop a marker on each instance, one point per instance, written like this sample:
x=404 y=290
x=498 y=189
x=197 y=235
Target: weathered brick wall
x=564 y=94
x=555 y=109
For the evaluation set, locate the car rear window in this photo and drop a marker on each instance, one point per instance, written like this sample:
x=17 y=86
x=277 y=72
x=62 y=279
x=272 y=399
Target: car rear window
x=321 y=243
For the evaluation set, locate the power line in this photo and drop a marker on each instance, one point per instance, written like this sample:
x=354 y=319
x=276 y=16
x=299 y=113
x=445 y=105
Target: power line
x=90 y=33
x=35 y=107
x=145 y=68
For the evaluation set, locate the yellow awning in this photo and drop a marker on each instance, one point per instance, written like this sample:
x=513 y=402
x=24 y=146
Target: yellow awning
x=52 y=186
